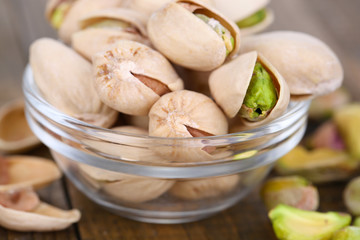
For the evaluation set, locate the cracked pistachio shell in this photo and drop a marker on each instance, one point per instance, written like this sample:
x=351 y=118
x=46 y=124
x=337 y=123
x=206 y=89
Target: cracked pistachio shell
x=318 y=165
x=239 y=10
x=192 y=44
x=43 y=218
x=15 y=134
x=228 y=85
x=65 y=80
x=320 y=71
x=79 y=9
x=119 y=73
x=186 y=114
x=294 y=191
x=204 y=188
x=347 y=120
x=90 y=41
x=25 y=171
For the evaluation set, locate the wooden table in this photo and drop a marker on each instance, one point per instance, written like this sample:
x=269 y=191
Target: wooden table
x=21 y=21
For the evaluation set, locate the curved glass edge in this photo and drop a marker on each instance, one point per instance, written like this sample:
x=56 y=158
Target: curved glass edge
x=34 y=99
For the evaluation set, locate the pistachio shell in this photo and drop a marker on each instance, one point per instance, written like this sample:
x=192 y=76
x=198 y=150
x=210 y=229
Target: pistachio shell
x=15 y=134
x=204 y=188
x=228 y=85
x=192 y=44
x=118 y=74
x=79 y=9
x=320 y=71
x=70 y=91
x=237 y=10
x=25 y=171
x=352 y=196
x=43 y=218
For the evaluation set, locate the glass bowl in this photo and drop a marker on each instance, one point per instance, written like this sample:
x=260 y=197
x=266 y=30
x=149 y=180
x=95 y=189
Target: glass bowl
x=138 y=177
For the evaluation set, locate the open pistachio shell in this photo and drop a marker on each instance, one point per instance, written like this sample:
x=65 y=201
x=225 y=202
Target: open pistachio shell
x=15 y=134
x=240 y=10
x=204 y=188
x=43 y=218
x=320 y=71
x=93 y=40
x=70 y=91
x=186 y=114
x=131 y=77
x=229 y=84
x=193 y=43
x=25 y=171
x=78 y=9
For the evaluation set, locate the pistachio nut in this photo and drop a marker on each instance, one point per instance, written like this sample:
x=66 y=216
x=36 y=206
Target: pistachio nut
x=294 y=191
x=318 y=165
x=249 y=87
x=22 y=211
x=202 y=41
x=347 y=233
x=101 y=29
x=147 y=7
x=352 y=196
x=291 y=223
x=15 y=134
x=320 y=71
x=326 y=136
x=204 y=188
x=186 y=114
x=25 y=171
x=323 y=107
x=131 y=77
x=347 y=120
x=65 y=15
x=251 y=16
x=70 y=91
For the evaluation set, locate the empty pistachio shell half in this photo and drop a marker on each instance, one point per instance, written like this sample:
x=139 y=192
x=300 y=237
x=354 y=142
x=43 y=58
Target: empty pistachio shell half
x=347 y=120
x=131 y=77
x=204 y=188
x=65 y=15
x=186 y=114
x=352 y=196
x=147 y=7
x=70 y=91
x=318 y=165
x=15 y=134
x=249 y=87
x=25 y=171
x=320 y=71
x=103 y=28
x=21 y=199
x=202 y=41
x=251 y=16
x=294 y=191
x=39 y=217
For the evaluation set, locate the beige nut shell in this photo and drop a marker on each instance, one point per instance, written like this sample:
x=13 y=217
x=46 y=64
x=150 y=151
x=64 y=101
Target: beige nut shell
x=25 y=171
x=229 y=83
x=308 y=65
x=15 y=134
x=204 y=188
x=119 y=88
x=43 y=218
x=79 y=9
x=71 y=90
x=192 y=44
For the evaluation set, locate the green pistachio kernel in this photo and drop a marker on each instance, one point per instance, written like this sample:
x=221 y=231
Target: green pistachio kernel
x=261 y=95
x=59 y=14
x=220 y=30
x=254 y=19
x=110 y=23
x=347 y=233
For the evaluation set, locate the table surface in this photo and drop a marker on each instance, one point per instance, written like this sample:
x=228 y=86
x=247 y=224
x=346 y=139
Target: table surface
x=335 y=22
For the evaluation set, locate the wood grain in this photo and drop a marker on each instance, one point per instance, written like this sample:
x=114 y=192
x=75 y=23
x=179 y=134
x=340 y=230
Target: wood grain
x=335 y=22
